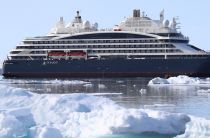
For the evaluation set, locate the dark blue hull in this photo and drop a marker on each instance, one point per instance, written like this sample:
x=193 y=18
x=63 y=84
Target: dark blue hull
x=108 y=68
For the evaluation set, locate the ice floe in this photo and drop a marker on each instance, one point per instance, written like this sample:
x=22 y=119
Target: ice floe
x=24 y=114
x=179 y=80
x=11 y=127
x=143 y=91
x=197 y=128
x=204 y=92
x=101 y=86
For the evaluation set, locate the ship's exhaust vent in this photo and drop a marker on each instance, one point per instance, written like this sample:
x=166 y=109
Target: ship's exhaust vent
x=136 y=13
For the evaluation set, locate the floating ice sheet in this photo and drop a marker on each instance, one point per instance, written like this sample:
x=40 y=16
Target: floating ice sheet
x=78 y=116
x=197 y=128
x=179 y=80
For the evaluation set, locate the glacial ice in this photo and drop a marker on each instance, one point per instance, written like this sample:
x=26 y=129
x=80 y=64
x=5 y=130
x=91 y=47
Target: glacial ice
x=25 y=114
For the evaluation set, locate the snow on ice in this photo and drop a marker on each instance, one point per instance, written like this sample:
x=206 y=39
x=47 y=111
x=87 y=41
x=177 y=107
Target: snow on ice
x=25 y=114
x=179 y=80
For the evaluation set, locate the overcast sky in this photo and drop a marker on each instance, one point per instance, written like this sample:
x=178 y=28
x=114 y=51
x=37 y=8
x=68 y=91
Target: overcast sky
x=27 y=18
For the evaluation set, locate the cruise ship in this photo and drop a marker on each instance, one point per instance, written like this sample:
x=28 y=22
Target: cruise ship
x=137 y=47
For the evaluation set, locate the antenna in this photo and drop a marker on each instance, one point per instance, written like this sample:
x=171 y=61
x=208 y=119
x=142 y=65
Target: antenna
x=77 y=13
x=162 y=15
x=175 y=23
x=143 y=14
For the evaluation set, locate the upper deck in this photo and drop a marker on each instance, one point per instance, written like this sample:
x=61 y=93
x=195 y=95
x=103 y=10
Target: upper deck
x=139 y=22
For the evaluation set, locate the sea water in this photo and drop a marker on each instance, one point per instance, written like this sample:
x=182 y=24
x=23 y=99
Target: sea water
x=105 y=108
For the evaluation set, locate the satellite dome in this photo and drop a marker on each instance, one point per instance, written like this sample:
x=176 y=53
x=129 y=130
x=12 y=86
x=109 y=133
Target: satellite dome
x=165 y=23
x=86 y=24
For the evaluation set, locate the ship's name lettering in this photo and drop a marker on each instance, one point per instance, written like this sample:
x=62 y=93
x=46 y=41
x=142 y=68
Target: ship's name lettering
x=51 y=62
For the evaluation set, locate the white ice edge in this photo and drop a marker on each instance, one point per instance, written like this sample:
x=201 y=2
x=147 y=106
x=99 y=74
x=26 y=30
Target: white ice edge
x=54 y=82
x=159 y=105
x=196 y=128
x=179 y=81
x=103 y=94
x=23 y=113
x=204 y=91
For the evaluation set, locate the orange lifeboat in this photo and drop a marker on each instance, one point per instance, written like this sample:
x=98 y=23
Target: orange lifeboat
x=57 y=54
x=76 y=54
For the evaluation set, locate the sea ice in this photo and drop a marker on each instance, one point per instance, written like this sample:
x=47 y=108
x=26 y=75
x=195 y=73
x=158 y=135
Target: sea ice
x=101 y=86
x=143 y=91
x=179 y=80
x=25 y=114
x=204 y=92
x=11 y=127
x=197 y=128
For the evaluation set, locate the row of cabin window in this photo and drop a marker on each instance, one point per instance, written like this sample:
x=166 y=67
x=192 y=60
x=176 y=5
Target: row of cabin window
x=120 y=51
x=97 y=46
x=91 y=41
x=135 y=51
x=32 y=52
x=169 y=56
x=27 y=58
x=15 y=52
x=37 y=52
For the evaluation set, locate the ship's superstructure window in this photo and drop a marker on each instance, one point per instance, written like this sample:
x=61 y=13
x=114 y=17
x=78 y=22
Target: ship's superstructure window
x=98 y=41
x=37 y=52
x=101 y=45
x=107 y=36
x=15 y=52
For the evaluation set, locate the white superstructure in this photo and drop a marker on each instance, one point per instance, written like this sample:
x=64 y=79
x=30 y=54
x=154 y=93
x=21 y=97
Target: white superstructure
x=136 y=37
x=136 y=23
x=76 y=26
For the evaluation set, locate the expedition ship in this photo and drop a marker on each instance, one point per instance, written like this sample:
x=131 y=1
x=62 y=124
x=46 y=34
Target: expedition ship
x=138 y=46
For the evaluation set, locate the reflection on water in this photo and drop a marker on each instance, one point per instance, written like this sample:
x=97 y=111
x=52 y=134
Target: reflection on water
x=128 y=92
x=137 y=136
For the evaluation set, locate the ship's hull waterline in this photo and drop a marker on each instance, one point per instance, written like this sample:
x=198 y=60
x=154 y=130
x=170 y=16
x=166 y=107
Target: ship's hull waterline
x=199 y=67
